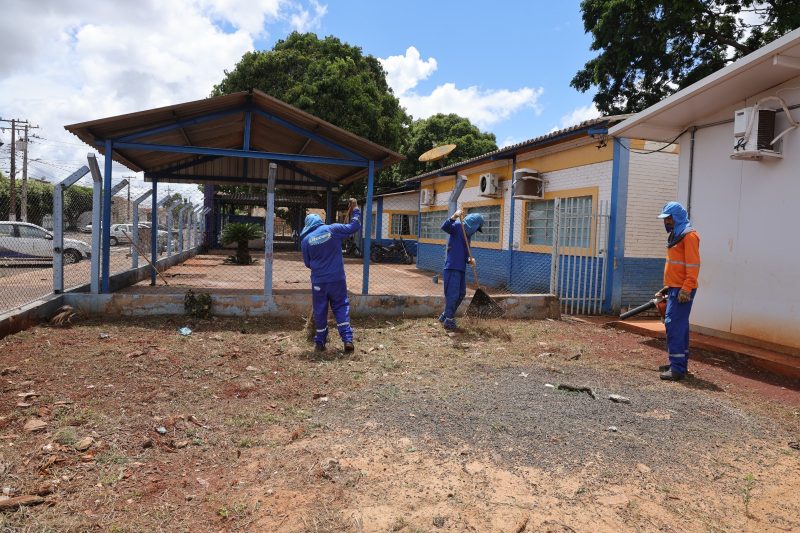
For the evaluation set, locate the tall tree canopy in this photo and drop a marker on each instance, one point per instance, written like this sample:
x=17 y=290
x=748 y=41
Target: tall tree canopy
x=327 y=78
x=436 y=130
x=649 y=49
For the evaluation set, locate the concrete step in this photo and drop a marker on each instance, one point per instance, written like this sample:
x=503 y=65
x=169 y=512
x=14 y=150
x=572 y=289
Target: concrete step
x=780 y=363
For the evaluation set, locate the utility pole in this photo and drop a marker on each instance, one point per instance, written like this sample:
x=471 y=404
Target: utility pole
x=12 y=211
x=24 y=200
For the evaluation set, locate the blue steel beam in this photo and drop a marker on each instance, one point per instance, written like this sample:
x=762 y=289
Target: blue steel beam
x=311 y=135
x=154 y=232
x=248 y=123
x=175 y=125
x=306 y=174
x=230 y=152
x=228 y=179
x=188 y=164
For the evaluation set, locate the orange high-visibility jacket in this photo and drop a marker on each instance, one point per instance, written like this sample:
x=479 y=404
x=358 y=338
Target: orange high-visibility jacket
x=683 y=263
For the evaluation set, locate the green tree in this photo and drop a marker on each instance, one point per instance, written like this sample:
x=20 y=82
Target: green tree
x=77 y=200
x=437 y=130
x=649 y=49
x=330 y=79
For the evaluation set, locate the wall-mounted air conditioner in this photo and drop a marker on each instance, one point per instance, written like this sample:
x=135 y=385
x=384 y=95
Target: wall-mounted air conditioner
x=427 y=196
x=528 y=184
x=489 y=184
x=753 y=133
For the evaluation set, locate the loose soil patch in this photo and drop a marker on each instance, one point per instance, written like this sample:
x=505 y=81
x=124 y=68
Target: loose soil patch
x=242 y=427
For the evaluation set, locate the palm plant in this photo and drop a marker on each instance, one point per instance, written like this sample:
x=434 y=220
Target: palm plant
x=241 y=234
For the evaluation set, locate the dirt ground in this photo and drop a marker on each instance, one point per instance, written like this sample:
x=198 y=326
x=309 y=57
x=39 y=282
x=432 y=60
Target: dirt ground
x=241 y=427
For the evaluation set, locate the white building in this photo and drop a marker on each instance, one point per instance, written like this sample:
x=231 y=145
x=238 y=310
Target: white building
x=741 y=191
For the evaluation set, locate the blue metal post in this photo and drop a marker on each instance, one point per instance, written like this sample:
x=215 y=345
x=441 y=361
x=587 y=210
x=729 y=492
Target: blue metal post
x=330 y=218
x=616 y=232
x=511 y=228
x=210 y=216
x=106 y=224
x=379 y=220
x=368 y=226
x=269 y=230
x=154 y=233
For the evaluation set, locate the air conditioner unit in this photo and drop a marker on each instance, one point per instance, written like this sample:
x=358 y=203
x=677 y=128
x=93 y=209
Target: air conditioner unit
x=427 y=196
x=528 y=184
x=489 y=184
x=753 y=133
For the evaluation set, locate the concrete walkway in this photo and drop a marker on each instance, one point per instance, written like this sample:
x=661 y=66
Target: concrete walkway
x=781 y=363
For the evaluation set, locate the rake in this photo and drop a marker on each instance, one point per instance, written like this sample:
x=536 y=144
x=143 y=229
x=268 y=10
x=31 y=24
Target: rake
x=481 y=305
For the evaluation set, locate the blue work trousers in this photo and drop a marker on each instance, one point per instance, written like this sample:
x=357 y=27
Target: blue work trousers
x=676 y=320
x=455 y=289
x=334 y=294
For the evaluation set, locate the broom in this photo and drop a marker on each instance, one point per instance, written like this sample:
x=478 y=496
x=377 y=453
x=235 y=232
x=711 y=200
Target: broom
x=481 y=305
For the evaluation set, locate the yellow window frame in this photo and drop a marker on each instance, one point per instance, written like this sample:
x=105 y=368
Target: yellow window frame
x=432 y=209
x=563 y=195
x=392 y=213
x=484 y=203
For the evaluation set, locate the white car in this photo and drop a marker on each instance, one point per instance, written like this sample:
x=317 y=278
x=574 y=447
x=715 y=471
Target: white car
x=24 y=242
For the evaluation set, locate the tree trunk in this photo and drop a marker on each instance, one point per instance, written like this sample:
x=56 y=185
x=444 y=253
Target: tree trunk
x=242 y=253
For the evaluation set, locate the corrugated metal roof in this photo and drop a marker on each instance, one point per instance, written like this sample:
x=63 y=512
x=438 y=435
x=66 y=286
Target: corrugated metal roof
x=513 y=149
x=228 y=132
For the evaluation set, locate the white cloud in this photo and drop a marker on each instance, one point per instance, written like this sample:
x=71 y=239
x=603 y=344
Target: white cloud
x=304 y=21
x=577 y=115
x=403 y=73
x=484 y=107
x=67 y=61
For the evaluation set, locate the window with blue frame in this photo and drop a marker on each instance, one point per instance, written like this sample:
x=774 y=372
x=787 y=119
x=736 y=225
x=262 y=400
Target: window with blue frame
x=491 y=223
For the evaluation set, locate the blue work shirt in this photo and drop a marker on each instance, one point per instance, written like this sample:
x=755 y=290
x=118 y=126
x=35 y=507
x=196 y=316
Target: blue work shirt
x=322 y=249
x=456 y=258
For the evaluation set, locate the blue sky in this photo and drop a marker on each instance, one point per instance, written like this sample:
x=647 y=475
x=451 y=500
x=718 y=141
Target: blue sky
x=506 y=65
x=509 y=45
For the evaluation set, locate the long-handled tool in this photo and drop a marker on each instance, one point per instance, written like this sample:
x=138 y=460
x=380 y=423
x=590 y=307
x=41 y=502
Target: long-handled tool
x=145 y=257
x=481 y=305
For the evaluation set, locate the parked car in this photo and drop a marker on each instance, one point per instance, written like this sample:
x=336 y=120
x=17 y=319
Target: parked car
x=24 y=242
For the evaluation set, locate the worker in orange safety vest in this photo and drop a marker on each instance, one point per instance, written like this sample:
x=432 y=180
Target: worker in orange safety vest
x=680 y=286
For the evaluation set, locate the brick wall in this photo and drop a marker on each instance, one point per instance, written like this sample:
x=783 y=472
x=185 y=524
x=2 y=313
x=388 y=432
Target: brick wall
x=652 y=182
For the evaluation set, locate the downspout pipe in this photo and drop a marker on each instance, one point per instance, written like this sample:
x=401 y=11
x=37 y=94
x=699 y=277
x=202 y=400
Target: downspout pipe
x=452 y=202
x=691 y=172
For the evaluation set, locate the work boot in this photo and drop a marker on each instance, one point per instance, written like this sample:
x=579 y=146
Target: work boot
x=349 y=347
x=441 y=318
x=664 y=368
x=672 y=376
x=318 y=347
x=449 y=324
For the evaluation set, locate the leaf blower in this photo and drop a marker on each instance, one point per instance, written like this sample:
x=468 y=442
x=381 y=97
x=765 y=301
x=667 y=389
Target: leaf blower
x=659 y=302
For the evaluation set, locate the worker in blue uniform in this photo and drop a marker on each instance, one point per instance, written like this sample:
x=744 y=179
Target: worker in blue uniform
x=321 y=245
x=455 y=263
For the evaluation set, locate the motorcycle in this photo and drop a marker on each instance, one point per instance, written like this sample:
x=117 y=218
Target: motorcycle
x=395 y=252
x=350 y=248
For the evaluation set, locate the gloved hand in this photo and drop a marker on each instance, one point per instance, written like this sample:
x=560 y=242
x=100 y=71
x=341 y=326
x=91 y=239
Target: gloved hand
x=662 y=292
x=471 y=261
x=457 y=215
x=684 y=296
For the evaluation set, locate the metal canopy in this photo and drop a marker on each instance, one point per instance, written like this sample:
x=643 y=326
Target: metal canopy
x=231 y=139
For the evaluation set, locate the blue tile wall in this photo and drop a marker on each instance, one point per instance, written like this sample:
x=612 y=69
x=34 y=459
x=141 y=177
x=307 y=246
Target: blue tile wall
x=641 y=278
